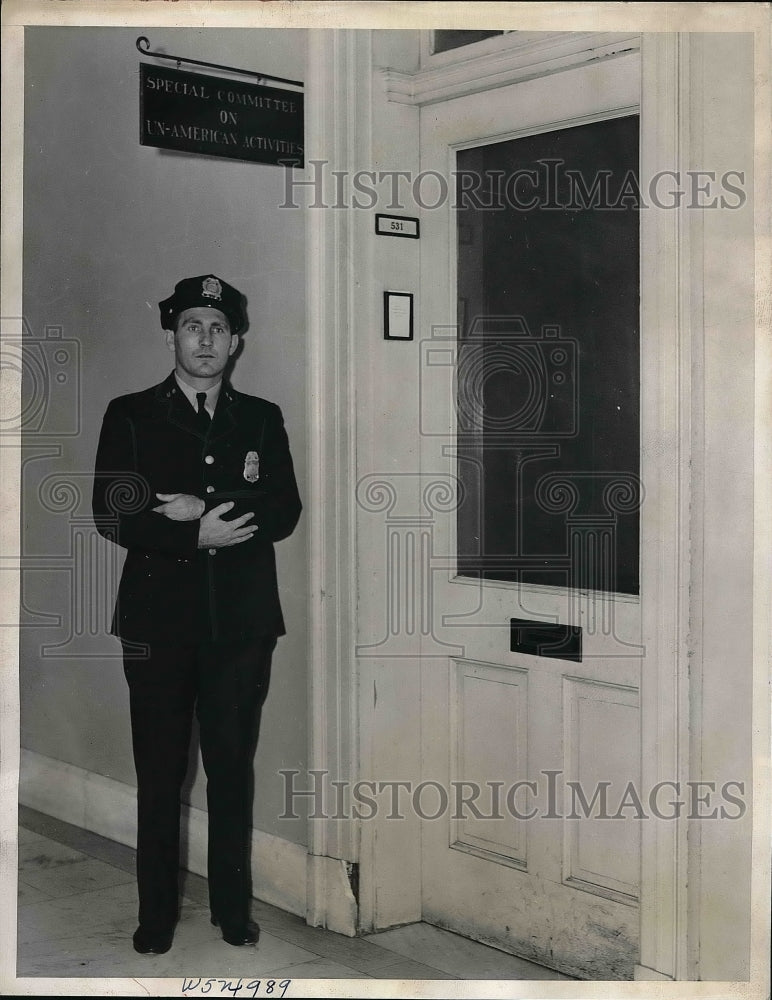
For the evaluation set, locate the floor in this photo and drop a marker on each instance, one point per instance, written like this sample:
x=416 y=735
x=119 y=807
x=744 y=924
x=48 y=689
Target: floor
x=77 y=909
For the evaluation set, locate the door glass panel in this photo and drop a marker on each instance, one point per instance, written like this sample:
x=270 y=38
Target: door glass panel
x=548 y=382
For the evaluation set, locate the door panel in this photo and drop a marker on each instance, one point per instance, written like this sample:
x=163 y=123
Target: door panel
x=601 y=745
x=534 y=865
x=486 y=698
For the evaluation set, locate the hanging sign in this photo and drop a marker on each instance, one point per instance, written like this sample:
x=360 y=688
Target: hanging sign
x=197 y=113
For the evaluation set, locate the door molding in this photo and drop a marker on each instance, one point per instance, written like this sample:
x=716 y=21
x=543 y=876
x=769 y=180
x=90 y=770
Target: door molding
x=463 y=72
x=670 y=296
x=338 y=69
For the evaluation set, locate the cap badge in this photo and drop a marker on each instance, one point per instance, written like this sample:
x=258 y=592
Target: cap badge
x=252 y=467
x=211 y=288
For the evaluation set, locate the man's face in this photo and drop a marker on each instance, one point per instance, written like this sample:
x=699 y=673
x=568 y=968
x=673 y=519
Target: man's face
x=202 y=344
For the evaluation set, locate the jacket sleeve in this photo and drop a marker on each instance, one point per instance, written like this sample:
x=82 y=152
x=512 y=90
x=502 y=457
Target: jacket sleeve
x=275 y=500
x=122 y=499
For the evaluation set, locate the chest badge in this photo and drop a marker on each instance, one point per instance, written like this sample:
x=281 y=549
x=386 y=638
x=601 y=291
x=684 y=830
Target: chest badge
x=252 y=467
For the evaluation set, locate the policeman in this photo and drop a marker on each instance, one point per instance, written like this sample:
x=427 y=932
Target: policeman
x=195 y=480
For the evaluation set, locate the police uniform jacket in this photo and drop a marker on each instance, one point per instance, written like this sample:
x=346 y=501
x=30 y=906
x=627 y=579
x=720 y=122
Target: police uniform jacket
x=171 y=591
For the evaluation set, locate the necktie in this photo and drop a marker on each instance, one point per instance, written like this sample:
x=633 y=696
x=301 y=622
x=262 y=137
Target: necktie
x=203 y=415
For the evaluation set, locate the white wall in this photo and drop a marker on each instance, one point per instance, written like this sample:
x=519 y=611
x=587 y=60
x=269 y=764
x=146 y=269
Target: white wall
x=110 y=226
x=388 y=444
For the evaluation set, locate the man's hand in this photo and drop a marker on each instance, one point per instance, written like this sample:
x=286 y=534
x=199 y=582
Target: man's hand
x=180 y=506
x=214 y=533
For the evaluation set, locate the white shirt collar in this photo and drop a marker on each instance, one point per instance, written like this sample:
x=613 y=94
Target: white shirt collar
x=212 y=394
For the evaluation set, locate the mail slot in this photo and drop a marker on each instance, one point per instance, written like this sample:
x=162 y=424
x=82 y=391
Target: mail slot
x=564 y=642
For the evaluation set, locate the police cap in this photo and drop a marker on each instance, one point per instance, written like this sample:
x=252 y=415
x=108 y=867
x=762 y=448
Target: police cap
x=205 y=290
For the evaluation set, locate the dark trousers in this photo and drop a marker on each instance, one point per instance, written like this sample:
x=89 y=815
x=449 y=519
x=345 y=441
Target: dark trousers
x=225 y=683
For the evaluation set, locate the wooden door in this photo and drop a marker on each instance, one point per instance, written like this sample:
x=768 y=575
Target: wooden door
x=531 y=813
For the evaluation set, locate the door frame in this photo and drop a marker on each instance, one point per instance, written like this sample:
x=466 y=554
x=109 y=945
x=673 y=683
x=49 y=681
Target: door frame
x=345 y=95
x=669 y=299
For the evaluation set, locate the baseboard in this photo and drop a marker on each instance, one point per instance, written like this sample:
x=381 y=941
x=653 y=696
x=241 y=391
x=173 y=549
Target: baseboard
x=108 y=807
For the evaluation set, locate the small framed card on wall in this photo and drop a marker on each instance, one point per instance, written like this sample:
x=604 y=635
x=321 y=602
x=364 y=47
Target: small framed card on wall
x=398 y=315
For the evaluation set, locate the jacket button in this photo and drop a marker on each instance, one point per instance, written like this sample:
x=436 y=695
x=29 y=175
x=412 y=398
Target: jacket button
x=213 y=552
x=209 y=459
x=210 y=489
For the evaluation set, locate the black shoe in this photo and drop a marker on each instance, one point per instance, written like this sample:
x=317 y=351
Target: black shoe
x=238 y=934
x=152 y=942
